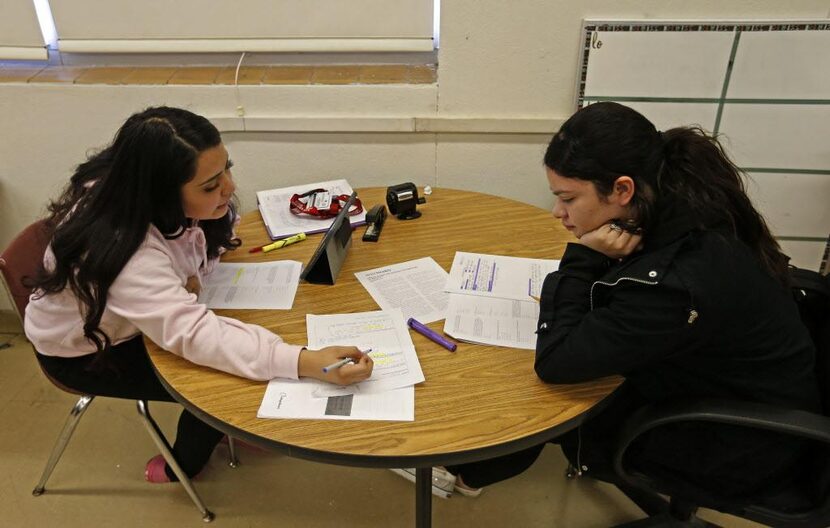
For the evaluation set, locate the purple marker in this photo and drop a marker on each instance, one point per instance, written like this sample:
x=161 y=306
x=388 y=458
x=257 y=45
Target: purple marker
x=430 y=334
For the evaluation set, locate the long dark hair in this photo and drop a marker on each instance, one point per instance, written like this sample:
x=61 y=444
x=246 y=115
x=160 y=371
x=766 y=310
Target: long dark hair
x=682 y=167
x=114 y=197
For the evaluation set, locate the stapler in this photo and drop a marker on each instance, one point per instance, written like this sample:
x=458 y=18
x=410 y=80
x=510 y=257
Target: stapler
x=374 y=223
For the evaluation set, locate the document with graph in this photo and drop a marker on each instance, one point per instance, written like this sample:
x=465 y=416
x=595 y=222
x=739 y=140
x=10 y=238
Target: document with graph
x=498 y=276
x=384 y=332
x=492 y=321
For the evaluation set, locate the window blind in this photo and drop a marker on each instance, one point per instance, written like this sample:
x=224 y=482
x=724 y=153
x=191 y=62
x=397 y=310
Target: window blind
x=20 y=36
x=161 y=26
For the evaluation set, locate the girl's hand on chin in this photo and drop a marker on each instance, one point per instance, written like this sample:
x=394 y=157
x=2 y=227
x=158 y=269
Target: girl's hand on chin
x=612 y=241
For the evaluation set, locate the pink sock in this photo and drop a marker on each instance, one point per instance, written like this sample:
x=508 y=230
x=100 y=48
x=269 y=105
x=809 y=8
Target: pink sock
x=154 y=472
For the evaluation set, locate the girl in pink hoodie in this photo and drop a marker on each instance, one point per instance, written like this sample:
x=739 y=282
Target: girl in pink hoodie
x=141 y=223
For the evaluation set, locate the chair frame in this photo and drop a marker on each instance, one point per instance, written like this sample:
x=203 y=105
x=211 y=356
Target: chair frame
x=797 y=423
x=85 y=400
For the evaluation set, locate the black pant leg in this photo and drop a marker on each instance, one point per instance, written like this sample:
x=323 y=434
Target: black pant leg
x=592 y=446
x=486 y=472
x=195 y=442
x=130 y=375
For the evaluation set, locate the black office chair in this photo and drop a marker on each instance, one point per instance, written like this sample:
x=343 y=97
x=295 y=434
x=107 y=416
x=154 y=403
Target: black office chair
x=805 y=502
x=22 y=259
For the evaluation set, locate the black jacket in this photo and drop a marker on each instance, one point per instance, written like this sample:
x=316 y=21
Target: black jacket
x=691 y=315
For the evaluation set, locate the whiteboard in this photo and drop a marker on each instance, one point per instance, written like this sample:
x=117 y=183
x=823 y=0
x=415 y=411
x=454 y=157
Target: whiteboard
x=763 y=86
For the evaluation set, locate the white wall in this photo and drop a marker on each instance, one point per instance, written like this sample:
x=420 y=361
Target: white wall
x=502 y=67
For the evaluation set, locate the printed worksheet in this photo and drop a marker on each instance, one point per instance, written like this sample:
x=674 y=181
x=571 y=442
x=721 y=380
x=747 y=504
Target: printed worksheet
x=294 y=399
x=415 y=286
x=266 y=285
x=492 y=321
x=383 y=332
x=498 y=276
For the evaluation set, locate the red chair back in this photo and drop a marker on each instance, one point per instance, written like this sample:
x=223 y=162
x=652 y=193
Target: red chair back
x=22 y=259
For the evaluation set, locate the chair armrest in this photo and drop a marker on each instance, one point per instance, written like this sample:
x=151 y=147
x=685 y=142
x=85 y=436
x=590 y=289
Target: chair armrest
x=802 y=424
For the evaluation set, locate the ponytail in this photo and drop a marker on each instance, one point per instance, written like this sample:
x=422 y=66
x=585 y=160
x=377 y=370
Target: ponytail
x=697 y=172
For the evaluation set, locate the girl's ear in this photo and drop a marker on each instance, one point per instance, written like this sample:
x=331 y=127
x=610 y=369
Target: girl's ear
x=623 y=191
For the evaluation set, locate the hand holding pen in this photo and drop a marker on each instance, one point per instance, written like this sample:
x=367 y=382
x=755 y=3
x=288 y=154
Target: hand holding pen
x=343 y=362
x=354 y=365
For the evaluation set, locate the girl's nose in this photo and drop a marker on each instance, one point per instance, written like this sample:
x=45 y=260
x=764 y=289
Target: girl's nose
x=229 y=186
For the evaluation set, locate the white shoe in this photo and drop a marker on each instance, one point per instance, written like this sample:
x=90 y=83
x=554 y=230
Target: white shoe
x=443 y=481
x=465 y=490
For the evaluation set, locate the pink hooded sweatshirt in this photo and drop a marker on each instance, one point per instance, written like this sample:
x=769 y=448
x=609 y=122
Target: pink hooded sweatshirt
x=149 y=297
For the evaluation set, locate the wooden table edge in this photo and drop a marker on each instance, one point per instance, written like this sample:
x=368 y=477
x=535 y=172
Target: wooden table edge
x=385 y=461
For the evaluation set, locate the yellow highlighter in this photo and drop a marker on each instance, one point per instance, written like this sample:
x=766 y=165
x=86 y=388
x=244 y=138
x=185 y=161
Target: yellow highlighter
x=284 y=242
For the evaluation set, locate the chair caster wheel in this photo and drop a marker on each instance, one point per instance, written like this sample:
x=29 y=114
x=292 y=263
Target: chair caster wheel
x=571 y=472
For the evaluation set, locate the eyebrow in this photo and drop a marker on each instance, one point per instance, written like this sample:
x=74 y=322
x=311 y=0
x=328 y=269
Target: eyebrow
x=212 y=178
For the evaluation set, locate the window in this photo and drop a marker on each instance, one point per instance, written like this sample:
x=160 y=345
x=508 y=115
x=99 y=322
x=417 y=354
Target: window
x=216 y=26
x=20 y=34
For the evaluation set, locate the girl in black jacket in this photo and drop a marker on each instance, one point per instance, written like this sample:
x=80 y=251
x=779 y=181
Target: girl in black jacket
x=676 y=284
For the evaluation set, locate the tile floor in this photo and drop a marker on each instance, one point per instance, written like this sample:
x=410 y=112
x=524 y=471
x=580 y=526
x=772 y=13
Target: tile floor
x=99 y=481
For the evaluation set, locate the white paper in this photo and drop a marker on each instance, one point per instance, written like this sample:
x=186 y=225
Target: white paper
x=294 y=399
x=498 y=276
x=415 y=286
x=384 y=332
x=281 y=222
x=492 y=321
x=267 y=285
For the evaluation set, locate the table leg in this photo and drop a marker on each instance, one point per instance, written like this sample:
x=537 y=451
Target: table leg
x=423 y=497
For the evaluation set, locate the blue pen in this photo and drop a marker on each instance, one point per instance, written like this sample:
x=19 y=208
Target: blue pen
x=338 y=364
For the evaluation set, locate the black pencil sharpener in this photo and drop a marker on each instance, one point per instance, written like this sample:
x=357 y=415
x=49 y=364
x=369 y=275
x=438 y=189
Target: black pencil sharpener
x=402 y=200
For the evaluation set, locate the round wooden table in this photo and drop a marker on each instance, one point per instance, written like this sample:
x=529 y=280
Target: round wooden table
x=476 y=403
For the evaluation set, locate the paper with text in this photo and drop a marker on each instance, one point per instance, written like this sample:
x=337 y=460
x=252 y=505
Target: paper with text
x=384 y=332
x=415 y=286
x=267 y=285
x=294 y=399
x=492 y=321
x=498 y=276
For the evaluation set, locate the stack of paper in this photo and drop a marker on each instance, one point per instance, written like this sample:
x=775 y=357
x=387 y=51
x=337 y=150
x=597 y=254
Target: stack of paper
x=281 y=222
x=493 y=299
x=389 y=394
